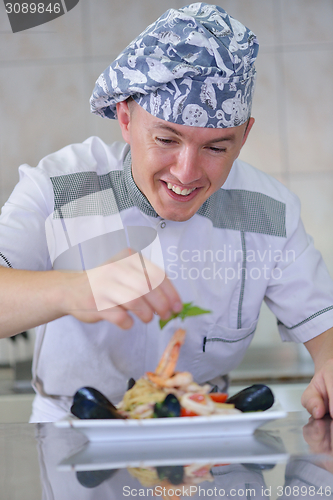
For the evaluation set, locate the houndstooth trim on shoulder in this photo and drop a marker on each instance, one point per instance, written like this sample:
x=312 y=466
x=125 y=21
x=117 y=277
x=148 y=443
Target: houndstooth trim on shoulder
x=81 y=193
x=78 y=194
x=246 y=211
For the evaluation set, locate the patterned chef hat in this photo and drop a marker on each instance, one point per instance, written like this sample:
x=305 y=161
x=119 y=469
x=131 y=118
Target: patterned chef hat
x=193 y=66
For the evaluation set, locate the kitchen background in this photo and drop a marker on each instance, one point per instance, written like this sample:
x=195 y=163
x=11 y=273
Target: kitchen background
x=47 y=75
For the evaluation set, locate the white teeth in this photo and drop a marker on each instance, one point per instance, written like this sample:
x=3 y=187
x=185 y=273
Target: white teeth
x=177 y=190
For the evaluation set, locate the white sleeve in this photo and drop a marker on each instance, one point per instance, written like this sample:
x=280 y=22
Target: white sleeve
x=22 y=222
x=301 y=295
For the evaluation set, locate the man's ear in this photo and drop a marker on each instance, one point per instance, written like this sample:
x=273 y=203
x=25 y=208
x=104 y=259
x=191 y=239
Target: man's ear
x=123 y=114
x=247 y=130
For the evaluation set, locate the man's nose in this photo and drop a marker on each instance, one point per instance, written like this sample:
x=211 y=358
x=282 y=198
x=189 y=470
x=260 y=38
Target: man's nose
x=186 y=167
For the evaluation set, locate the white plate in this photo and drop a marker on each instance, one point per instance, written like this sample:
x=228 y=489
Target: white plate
x=258 y=448
x=241 y=424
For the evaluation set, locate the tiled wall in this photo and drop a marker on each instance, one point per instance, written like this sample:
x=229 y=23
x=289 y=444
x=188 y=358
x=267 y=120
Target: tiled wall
x=47 y=75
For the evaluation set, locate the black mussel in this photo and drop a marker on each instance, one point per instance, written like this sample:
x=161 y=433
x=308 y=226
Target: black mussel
x=93 y=478
x=214 y=389
x=130 y=383
x=174 y=473
x=257 y=397
x=89 y=403
x=170 y=407
x=259 y=467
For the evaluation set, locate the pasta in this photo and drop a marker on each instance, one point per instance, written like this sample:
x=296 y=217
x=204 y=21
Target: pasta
x=142 y=393
x=139 y=401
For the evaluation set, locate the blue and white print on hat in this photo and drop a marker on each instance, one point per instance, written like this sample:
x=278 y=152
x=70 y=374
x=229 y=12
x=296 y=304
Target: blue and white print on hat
x=193 y=66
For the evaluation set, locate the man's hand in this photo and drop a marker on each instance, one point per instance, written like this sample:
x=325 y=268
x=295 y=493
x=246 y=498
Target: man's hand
x=319 y=434
x=318 y=396
x=122 y=286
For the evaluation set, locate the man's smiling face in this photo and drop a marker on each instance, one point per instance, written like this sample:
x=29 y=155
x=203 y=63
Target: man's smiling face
x=177 y=167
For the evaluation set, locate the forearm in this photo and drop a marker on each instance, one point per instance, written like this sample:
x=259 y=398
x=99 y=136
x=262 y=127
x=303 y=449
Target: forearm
x=318 y=396
x=31 y=298
x=321 y=348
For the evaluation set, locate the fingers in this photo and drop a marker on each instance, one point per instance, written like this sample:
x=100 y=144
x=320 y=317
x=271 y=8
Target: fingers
x=163 y=297
x=136 y=285
x=118 y=282
x=141 y=309
x=318 y=434
x=315 y=400
x=118 y=316
x=163 y=301
x=131 y=284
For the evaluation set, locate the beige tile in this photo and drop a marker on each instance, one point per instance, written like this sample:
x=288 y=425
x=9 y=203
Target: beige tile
x=114 y=27
x=108 y=130
x=4 y=195
x=263 y=148
x=309 y=110
x=46 y=108
x=62 y=37
x=315 y=192
x=307 y=21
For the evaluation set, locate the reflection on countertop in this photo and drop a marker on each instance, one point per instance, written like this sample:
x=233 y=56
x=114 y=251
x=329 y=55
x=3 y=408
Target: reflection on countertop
x=287 y=458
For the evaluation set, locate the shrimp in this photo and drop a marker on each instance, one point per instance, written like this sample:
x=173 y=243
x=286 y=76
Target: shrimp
x=166 y=367
x=179 y=379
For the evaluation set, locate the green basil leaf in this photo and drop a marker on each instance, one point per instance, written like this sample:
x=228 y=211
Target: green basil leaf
x=195 y=311
x=188 y=310
x=163 y=322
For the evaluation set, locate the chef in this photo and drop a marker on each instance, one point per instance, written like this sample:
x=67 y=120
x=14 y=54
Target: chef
x=98 y=242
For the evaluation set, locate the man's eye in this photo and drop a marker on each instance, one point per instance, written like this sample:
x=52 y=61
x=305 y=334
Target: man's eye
x=164 y=141
x=217 y=150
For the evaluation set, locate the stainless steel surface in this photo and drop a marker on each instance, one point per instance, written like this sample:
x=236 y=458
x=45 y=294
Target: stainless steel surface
x=289 y=458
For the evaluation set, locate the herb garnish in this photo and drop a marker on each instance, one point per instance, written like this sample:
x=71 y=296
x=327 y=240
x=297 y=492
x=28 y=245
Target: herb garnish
x=188 y=310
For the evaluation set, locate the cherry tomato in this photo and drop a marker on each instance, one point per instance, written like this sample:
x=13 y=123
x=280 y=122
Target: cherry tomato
x=218 y=397
x=187 y=413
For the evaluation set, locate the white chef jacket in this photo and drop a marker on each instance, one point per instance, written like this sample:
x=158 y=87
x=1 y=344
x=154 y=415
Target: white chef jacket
x=246 y=244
